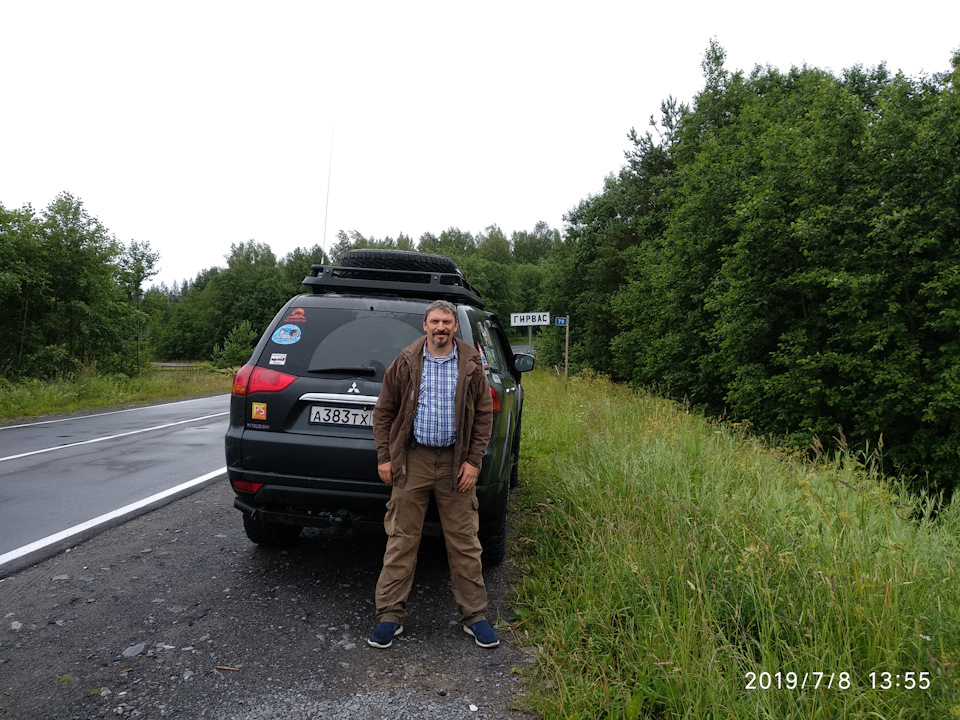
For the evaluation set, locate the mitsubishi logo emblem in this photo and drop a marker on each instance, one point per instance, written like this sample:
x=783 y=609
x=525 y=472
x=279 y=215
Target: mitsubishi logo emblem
x=354 y=389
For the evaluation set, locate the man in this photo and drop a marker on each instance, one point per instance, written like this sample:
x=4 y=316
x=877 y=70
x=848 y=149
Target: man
x=431 y=425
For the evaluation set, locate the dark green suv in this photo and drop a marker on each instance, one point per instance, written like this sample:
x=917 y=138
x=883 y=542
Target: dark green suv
x=300 y=450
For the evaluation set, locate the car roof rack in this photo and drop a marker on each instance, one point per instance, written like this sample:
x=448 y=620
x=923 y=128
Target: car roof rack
x=405 y=283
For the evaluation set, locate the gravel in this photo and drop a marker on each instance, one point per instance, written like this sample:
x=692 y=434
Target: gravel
x=177 y=615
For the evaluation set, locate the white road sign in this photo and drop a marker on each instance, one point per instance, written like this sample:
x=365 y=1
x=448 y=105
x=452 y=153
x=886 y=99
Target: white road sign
x=524 y=319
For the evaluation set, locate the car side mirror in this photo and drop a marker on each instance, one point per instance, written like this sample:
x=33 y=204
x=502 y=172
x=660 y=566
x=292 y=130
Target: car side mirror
x=523 y=362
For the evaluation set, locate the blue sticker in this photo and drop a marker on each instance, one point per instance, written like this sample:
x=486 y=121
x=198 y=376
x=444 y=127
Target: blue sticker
x=286 y=335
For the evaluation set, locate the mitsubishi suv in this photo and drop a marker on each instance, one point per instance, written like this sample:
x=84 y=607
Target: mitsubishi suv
x=299 y=448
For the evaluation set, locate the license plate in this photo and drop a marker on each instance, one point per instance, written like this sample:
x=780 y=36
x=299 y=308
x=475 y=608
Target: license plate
x=326 y=415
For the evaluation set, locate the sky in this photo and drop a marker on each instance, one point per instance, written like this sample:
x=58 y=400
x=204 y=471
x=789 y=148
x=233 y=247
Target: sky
x=197 y=125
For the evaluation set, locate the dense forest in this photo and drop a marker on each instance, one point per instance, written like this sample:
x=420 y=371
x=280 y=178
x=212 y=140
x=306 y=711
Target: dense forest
x=783 y=252
x=71 y=296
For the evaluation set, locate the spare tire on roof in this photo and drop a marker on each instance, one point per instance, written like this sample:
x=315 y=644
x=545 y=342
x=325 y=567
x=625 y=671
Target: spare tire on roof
x=398 y=260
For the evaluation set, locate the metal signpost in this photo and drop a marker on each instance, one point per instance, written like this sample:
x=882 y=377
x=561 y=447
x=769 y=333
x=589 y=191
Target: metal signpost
x=564 y=322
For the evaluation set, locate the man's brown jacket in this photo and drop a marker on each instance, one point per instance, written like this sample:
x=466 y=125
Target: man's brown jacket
x=397 y=405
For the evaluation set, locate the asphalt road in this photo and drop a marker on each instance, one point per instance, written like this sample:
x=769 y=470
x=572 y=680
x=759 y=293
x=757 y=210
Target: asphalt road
x=62 y=478
x=173 y=613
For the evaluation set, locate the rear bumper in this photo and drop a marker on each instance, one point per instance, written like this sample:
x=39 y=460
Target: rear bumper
x=310 y=518
x=337 y=502
x=312 y=493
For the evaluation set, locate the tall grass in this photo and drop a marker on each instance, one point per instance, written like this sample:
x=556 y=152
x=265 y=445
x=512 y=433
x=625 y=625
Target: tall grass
x=30 y=398
x=663 y=559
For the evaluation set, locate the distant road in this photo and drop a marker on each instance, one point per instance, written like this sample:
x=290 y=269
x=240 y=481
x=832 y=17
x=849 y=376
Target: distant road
x=67 y=478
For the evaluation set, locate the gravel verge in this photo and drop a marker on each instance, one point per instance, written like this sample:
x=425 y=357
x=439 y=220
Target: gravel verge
x=175 y=614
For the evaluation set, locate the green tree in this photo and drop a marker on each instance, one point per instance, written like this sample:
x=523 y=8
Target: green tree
x=58 y=289
x=137 y=264
x=591 y=266
x=534 y=247
x=187 y=333
x=83 y=301
x=237 y=346
x=493 y=246
x=251 y=287
x=70 y=294
x=295 y=266
x=453 y=243
x=24 y=281
x=495 y=281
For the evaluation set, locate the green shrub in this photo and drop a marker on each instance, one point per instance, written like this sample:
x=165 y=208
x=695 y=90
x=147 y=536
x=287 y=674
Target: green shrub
x=50 y=362
x=237 y=346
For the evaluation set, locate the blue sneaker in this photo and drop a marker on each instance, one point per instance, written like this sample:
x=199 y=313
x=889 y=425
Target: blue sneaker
x=383 y=634
x=483 y=634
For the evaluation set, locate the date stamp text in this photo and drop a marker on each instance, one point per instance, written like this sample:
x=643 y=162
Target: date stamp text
x=818 y=680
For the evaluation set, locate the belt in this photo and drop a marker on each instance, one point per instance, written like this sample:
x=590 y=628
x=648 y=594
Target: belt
x=414 y=443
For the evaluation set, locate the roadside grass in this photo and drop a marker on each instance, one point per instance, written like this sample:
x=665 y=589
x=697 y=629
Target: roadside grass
x=662 y=559
x=32 y=398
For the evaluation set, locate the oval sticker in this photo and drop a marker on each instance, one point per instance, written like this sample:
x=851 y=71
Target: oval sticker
x=286 y=335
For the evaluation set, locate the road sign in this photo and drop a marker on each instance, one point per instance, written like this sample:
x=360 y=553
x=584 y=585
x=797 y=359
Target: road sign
x=561 y=321
x=525 y=319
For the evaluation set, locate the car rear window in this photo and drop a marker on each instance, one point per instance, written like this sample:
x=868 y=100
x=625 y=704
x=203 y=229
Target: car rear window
x=318 y=341
x=489 y=345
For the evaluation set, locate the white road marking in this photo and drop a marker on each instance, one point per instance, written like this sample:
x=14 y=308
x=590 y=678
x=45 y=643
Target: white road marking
x=113 y=437
x=119 y=512
x=111 y=412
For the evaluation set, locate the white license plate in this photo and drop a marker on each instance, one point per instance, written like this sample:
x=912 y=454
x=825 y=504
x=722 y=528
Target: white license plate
x=328 y=415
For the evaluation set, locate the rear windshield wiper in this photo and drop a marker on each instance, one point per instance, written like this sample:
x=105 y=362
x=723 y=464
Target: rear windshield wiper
x=346 y=370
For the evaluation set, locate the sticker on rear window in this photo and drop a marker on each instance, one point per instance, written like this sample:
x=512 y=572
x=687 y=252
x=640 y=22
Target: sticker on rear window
x=278 y=359
x=286 y=335
x=296 y=315
x=483 y=357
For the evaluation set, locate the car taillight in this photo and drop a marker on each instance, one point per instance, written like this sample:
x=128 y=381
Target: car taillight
x=497 y=407
x=252 y=379
x=241 y=379
x=246 y=485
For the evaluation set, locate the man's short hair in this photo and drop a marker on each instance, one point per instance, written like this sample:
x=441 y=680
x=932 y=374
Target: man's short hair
x=447 y=307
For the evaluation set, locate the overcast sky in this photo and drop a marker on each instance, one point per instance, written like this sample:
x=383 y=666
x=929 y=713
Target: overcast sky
x=194 y=125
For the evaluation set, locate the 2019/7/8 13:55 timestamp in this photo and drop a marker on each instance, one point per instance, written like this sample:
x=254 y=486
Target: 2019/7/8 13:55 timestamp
x=834 y=680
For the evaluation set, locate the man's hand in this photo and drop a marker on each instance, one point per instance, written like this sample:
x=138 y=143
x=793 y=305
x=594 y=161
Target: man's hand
x=385 y=472
x=467 y=477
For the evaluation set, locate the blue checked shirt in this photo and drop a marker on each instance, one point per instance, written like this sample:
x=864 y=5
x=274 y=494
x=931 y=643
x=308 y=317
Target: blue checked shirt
x=434 y=423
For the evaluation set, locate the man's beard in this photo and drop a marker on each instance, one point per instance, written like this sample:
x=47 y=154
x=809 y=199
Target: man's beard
x=440 y=341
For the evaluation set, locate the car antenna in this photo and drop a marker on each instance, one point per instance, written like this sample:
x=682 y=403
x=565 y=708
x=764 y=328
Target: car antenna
x=326 y=207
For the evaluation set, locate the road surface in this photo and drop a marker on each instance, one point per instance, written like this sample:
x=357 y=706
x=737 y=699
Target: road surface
x=174 y=613
x=63 y=479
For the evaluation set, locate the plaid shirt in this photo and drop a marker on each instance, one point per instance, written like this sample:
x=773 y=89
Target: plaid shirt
x=434 y=423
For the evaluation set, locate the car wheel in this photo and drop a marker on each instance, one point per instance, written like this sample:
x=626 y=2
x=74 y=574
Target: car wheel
x=494 y=545
x=398 y=260
x=268 y=534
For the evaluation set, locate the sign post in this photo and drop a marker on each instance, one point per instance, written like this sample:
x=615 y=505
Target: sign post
x=565 y=323
x=529 y=320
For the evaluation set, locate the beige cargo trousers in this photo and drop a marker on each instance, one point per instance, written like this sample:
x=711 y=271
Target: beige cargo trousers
x=428 y=471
